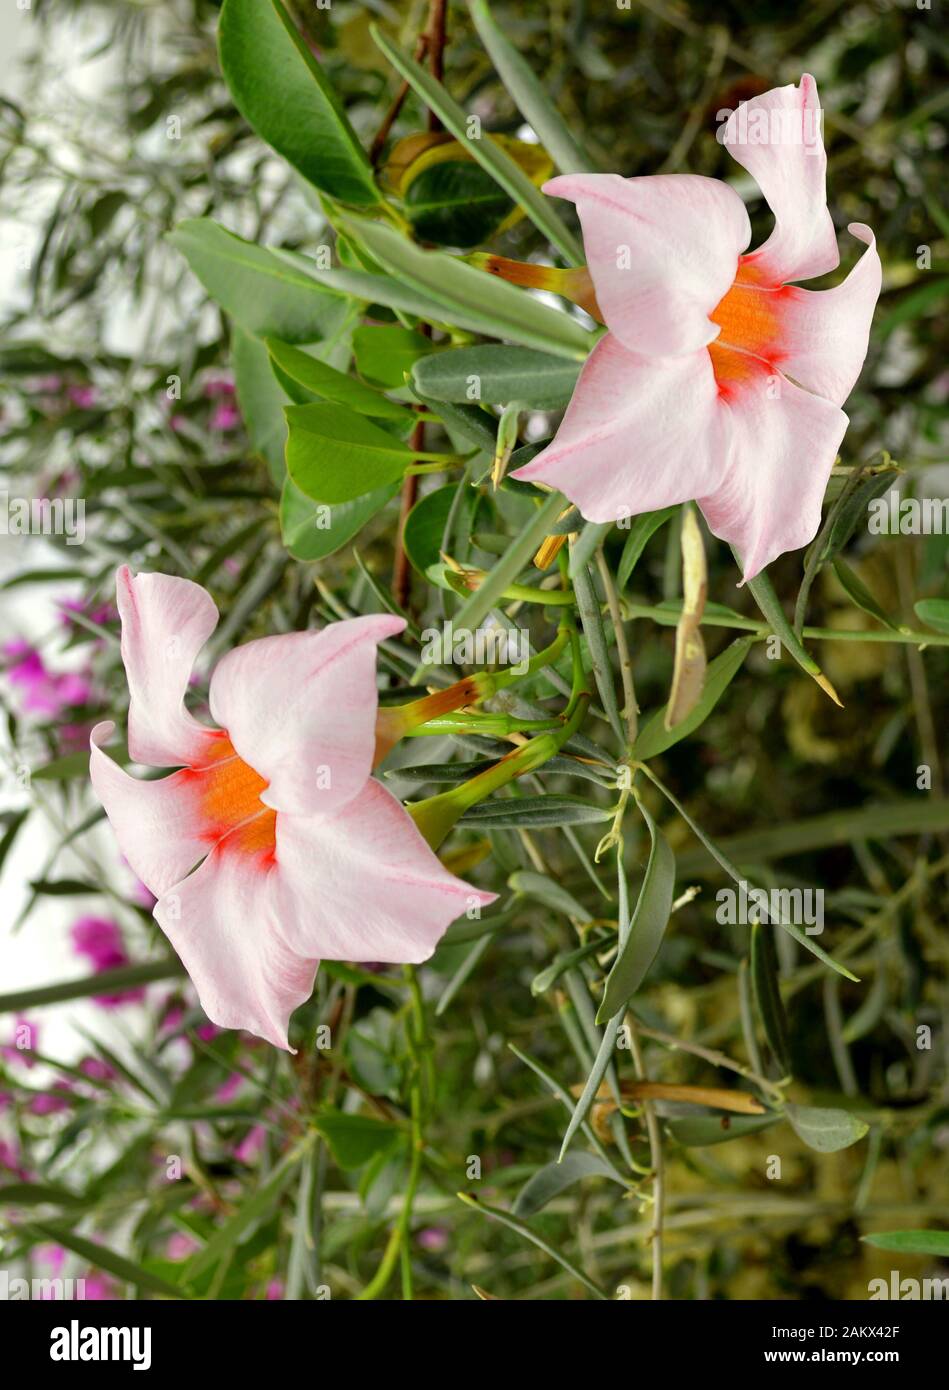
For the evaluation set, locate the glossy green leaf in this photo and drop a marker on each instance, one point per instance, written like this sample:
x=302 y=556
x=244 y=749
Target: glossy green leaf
x=497 y=375
x=267 y=294
x=455 y=203
x=502 y=168
x=335 y=455
x=331 y=385
x=262 y=401
x=424 y=535
x=312 y=530
x=826 y=1130
x=386 y=353
x=281 y=90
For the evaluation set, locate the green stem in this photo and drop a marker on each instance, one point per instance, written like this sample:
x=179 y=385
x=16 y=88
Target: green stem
x=669 y=617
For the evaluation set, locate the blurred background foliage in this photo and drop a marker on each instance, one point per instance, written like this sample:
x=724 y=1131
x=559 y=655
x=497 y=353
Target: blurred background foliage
x=104 y=317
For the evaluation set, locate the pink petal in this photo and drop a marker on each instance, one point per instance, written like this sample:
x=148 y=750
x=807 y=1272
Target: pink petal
x=824 y=333
x=778 y=139
x=301 y=710
x=780 y=455
x=639 y=433
x=223 y=922
x=662 y=251
x=165 y=623
x=364 y=885
x=157 y=823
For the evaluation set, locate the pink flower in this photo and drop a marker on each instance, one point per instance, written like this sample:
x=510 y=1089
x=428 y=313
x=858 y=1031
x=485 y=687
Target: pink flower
x=180 y=1246
x=51 y=1102
x=217 y=387
x=100 y=941
x=43 y=692
x=718 y=380
x=24 y=1041
x=96 y=1069
x=82 y=397
x=251 y=1145
x=225 y=416
x=300 y=853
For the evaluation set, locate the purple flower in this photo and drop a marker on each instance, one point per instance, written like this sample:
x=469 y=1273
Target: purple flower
x=100 y=941
x=225 y=417
x=83 y=397
x=43 y=692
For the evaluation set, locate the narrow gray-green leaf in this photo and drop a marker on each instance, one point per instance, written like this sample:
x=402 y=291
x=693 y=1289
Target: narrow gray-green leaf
x=648 y=925
x=529 y=95
x=497 y=374
x=548 y=1182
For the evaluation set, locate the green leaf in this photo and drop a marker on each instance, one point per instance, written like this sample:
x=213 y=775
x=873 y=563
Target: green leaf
x=63 y=769
x=826 y=1130
x=471 y=298
x=856 y=590
x=101 y=1257
x=455 y=203
x=642 y=528
x=386 y=353
x=105 y=982
x=332 y=385
x=507 y=1219
x=488 y=154
x=528 y=94
x=853 y=513
x=934 y=612
x=911 y=1242
x=725 y=863
x=548 y=891
x=34 y=1194
x=699 y=1131
x=763 y=592
x=312 y=530
x=767 y=992
x=425 y=525
x=549 y=1181
x=335 y=455
x=500 y=374
x=281 y=90
x=588 y=606
x=562 y=963
x=262 y=401
x=13 y=821
x=355 y=1139
x=257 y=1206
x=650 y=919
x=534 y=813
x=655 y=738
x=268 y=294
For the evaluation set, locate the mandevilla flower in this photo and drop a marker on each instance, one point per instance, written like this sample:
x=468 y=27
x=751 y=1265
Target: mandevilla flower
x=300 y=854
x=718 y=379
